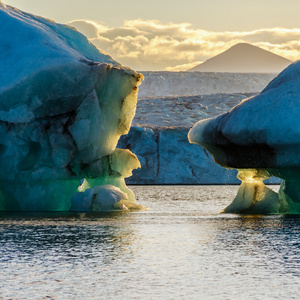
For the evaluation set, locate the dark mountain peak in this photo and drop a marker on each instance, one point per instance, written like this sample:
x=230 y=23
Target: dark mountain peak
x=244 y=58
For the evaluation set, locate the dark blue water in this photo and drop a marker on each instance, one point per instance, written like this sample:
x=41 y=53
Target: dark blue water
x=181 y=248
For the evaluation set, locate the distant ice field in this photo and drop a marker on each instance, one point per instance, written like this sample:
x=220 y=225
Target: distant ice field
x=183 y=111
x=180 y=99
x=161 y=84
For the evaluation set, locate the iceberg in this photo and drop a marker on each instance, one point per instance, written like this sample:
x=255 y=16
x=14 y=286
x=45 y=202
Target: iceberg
x=261 y=138
x=63 y=106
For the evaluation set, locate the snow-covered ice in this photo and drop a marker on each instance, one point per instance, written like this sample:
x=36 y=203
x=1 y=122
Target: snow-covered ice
x=63 y=106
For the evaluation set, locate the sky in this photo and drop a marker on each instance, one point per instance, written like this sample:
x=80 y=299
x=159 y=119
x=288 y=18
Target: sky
x=176 y=35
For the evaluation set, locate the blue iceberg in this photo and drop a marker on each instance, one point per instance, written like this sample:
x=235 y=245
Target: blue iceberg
x=261 y=138
x=63 y=106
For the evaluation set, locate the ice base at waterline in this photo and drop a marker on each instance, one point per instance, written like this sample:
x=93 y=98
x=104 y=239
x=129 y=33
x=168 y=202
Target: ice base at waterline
x=254 y=197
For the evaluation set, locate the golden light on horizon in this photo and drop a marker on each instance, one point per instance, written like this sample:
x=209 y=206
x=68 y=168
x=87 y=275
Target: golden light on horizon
x=145 y=38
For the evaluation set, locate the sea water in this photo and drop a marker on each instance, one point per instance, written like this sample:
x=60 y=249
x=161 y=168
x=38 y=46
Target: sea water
x=181 y=248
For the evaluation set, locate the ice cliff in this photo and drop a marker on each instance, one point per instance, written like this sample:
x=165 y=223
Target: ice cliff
x=63 y=106
x=261 y=138
x=167 y=158
x=166 y=84
x=159 y=139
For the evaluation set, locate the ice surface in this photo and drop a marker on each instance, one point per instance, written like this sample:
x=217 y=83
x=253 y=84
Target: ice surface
x=261 y=133
x=63 y=106
x=183 y=111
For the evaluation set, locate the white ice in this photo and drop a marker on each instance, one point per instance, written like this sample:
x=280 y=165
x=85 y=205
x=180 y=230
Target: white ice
x=99 y=198
x=166 y=84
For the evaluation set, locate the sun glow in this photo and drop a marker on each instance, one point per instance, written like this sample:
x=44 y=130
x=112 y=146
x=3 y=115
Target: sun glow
x=156 y=45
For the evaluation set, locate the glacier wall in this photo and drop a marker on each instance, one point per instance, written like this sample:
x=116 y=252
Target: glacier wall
x=166 y=84
x=167 y=157
x=159 y=139
x=63 y=106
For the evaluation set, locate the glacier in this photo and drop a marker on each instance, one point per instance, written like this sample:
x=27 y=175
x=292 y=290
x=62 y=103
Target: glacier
x=63 y=106
x=170 y=103
x=260 y=138
x=159 y=139
x=170 y=84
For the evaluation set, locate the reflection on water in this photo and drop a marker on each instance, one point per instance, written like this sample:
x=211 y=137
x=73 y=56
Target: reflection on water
x=180 y=248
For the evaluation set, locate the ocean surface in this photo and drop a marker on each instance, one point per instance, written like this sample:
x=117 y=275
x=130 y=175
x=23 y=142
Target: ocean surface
x=181 y=248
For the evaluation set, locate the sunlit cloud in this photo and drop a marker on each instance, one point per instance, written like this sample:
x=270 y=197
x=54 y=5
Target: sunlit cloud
x=183 y=67
x=153 y=45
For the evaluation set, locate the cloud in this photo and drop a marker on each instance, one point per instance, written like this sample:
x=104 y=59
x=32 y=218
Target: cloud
x=153 y=45
x=183 y=67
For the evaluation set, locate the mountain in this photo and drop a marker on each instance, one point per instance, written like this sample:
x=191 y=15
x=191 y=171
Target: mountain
x=244 y=58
